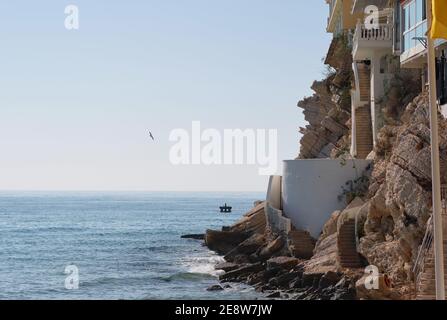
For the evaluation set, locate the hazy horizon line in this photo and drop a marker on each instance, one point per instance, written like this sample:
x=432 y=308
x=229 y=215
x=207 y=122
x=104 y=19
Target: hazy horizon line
x=158 y=191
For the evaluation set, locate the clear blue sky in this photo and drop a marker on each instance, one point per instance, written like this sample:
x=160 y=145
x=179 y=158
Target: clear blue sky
x=75 y=106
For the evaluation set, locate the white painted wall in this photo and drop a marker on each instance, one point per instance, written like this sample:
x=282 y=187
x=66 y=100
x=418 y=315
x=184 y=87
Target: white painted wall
x=310 y=190
x=274 y=192
x=377 y=89
x=444 y=110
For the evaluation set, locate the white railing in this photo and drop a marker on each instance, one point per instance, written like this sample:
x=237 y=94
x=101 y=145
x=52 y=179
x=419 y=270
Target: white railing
x=427 y=244
x=384 y=32
x=354 y=97
x=424 y=251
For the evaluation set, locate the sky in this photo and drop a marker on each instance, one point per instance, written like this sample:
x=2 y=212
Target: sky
x=76 y=105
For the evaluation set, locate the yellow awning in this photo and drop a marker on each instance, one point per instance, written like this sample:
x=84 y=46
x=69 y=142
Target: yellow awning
x=439 y=24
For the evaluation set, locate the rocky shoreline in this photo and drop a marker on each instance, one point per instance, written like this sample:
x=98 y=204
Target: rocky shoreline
x=386 y=213
x=257 y=257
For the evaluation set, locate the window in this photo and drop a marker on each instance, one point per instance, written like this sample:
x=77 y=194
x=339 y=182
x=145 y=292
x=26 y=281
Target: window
x=415 y=23
x=441 y=78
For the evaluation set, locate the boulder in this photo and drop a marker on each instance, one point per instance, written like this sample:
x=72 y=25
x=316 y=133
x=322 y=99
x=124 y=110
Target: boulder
x=330 y=227
x=311 y=279
x=194 y=236
x=325 y=256
x=383 y=292
x=329 y=279
x=286 y=263
x=271 y=248
x=227 y=266
x=247 y=247
x=284 y=280
x=256 y=278
x=244 y=271
x=275 y=294
x=215 y=288
x=223 y=242
x=253 y=221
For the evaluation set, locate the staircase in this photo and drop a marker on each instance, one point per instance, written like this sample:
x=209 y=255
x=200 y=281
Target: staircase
x=363 y=131
x=348 y=256
x=362 y=102
x=301 y=244
x=424 y=269
x=426 y=285
x=364 y=82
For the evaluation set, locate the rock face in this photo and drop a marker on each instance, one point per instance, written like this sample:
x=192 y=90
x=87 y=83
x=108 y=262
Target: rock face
x=392 y=221
x=265 y=261
x=383 y=228
x=325 y=256
x=286 y=263
x=400 y=195
x=223 y=242
x=382 y=292
x=252 y=224
x=328 y=110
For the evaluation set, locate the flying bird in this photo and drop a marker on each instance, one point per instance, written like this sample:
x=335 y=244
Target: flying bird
x=152 y=137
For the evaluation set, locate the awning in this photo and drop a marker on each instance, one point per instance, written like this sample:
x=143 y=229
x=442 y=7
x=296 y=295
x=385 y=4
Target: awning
x=359 y=6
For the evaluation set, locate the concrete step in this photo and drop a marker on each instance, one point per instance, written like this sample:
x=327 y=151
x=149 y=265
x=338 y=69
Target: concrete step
x=425 y=278
x=347 y=238
x=350 y=237
x=351 y=266
x=349 y=256
x=426 y=297
x=347 y=261
x=347 y=250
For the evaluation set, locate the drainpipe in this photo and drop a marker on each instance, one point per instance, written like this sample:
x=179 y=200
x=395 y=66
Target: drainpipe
x=436 y=181
x=353 y=125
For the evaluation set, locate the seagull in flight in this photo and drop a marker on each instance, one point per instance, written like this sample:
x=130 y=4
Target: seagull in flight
x=151 y=136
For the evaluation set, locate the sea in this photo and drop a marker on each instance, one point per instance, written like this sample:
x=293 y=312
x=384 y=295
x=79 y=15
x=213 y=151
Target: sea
x=114 y=245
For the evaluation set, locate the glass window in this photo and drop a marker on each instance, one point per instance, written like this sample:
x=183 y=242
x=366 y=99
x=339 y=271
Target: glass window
x=418 y=11
x=415 y=24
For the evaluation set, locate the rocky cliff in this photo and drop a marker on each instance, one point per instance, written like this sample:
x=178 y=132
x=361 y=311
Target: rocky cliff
x=328 y=110
x=382 y=225
x=400 y=199
x=398 y=203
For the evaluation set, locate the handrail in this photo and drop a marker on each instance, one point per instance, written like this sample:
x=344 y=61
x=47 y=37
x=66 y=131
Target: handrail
x=353 y=123
x=356 y=230
x=424 y=250
x=427 y=244
x=356 y=84
x=382 y=33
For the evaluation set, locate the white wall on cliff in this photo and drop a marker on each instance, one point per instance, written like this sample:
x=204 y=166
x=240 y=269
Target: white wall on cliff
x=311 y=190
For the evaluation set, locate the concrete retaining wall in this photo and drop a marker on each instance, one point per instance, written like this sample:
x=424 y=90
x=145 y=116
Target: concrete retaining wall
x=275 y=217
x=311 y=190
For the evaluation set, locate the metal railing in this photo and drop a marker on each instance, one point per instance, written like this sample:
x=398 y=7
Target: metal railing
x=426 y=247
x=424 y=251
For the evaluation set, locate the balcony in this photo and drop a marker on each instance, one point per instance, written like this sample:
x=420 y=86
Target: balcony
x=334 y=9
x=360 y=5
x=366 y=41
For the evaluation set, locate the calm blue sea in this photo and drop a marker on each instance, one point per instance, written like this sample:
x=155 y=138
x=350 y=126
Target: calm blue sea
x=125 y=245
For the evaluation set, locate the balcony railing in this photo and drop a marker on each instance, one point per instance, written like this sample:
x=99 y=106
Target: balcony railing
x=384 y=32
x=366 y=38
